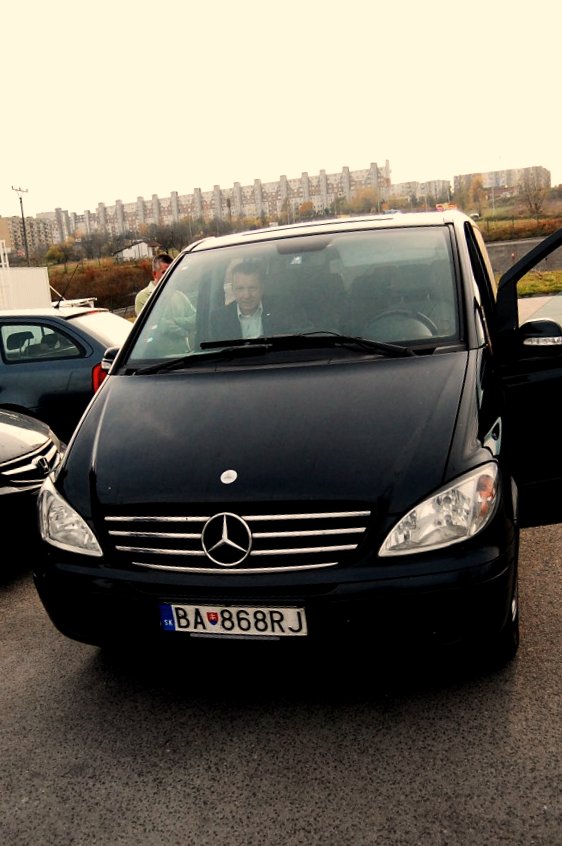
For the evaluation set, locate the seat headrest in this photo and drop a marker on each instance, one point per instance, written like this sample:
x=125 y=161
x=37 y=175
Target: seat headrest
x=17 y=339
x=51 y=341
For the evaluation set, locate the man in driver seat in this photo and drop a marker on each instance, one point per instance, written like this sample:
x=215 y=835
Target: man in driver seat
x=251 y=315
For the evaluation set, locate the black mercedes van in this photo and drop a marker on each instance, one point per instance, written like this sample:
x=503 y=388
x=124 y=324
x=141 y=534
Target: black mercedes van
x=324 y=431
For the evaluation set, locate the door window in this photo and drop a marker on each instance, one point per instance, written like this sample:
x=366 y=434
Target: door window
x=24 y=342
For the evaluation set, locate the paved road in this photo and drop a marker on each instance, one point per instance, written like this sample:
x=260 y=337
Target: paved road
x=227 y=749
x=540 y=308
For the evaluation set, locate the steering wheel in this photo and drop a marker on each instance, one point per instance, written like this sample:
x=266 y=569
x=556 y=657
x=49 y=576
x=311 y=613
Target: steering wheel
x=412 y=314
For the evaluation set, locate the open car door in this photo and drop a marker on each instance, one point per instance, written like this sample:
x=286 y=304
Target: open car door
x=531 y=372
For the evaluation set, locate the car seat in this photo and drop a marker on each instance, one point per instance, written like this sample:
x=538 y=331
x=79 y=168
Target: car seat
x=317 y=292
x=17 y=344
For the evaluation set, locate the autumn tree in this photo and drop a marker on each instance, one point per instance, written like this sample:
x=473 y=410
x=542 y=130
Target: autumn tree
x=460 y=195
x=305 y=210
x=364 y=201
x=183 y=233
x=54 y=254
x=62 y=253
x=533 y=190
x=93 y=245
x=476 y=193
x=164 y=236
x=287 y=212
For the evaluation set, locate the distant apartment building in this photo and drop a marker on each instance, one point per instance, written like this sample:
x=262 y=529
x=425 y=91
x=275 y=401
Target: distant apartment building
x=267 y=200
x=40 y=234
x=436 y=189
x=506 y=182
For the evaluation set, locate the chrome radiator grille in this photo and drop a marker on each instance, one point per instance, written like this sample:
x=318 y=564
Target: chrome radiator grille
x=30 y=470
x=222 y=542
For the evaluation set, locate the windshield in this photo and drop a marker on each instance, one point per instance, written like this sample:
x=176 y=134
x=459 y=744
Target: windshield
x=394 y=286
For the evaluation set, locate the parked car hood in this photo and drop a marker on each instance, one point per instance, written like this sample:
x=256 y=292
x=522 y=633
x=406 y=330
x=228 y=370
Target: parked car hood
x=20 y=434
x=351 y=431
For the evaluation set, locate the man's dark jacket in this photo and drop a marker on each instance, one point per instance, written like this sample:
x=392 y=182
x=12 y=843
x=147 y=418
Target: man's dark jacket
x=275 y=320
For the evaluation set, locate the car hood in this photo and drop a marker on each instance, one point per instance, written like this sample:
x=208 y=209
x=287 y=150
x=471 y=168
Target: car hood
x=20 y=434
x=351 y=431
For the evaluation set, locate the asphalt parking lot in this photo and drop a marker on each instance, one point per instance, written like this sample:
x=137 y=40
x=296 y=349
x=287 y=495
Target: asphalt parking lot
x=349 y=750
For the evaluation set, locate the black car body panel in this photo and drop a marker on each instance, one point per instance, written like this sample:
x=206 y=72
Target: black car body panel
x=353 y=457
x=352 y=467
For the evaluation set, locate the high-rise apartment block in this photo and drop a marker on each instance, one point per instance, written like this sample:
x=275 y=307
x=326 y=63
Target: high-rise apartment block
x=266 y=200
x=40 y=234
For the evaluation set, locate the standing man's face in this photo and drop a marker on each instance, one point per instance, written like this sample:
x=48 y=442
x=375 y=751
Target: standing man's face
x=247 y=290
x=159 y=272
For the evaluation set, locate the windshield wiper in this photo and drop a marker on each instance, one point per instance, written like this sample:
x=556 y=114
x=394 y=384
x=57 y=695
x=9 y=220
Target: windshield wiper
x=221 y=350
x=219 y=353
x=303 y=340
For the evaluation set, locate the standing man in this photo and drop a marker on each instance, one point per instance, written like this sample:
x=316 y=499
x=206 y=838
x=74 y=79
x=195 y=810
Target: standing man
x=160 y=264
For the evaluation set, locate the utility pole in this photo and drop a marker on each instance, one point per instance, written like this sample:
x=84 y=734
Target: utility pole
x=19 y=192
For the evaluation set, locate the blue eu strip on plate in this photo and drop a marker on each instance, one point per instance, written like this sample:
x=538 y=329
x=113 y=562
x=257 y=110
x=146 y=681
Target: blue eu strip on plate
x=167 y=618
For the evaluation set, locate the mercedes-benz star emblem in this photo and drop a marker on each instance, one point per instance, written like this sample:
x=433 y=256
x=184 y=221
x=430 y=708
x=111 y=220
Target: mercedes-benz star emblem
x=42 y=464
x=226 y=539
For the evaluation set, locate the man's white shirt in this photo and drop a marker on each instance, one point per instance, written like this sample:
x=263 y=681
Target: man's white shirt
x=251 y=325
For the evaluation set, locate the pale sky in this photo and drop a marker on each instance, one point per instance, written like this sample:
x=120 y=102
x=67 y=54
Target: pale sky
x=115 y=100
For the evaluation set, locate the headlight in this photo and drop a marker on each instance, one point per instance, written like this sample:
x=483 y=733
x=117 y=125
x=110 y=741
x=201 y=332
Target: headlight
x=452 y=515
x=61 y=526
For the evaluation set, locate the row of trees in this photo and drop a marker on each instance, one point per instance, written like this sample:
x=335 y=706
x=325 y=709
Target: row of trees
x=532 y=195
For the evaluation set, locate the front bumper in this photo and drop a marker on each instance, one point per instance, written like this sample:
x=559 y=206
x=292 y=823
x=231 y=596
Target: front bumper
x=469 y=597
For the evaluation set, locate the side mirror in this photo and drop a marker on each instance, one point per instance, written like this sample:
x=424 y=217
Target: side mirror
x=109 y=357
x=542 y=336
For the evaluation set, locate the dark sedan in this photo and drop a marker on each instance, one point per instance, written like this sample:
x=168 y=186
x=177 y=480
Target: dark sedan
x=50 y=360
x=29 y=450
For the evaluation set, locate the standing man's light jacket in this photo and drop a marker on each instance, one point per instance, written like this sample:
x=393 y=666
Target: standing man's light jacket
x=142 y=296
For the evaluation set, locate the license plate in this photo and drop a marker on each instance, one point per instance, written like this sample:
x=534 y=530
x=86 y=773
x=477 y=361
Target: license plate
x=233 y=621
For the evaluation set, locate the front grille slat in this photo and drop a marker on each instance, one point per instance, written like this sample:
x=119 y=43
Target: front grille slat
x=170 y=535
x=238 y=570
x=186 y=536
x=154 y=550
x=317 y=533
x=292 y=551
x=277 y=542
x=304 y=550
